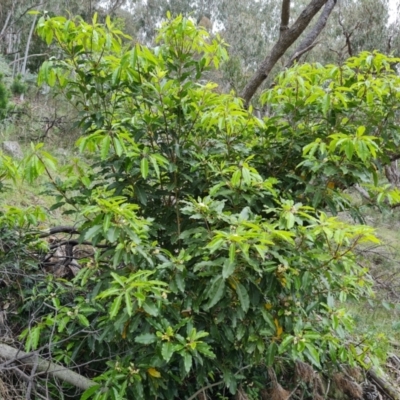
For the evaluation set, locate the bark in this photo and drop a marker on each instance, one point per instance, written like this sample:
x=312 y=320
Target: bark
x=309 y=41
x=32 y=360
x=287 y=38
x=393 y=174
x=5 y=24
x=28 y=43
x=285 y=16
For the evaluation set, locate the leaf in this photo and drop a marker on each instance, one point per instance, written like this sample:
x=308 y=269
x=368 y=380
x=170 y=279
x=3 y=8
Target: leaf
x=154 y=373
x=118 y=145
x=144 y=167
x=105 y=147
x=232 y=253
x=243 y=297
x=93 y=231
x=113 y=234
x=115 y=306
x=228 y=269
x=88 y=392
x=83 y=320
x=272 y=351
x=150 y=308
x=216 y=292
x=205 y=349
x=167 y=350
x=128 y=303
x=146 y=338
x=285 y=343
x=312 y=354
x=34 y=338
x=187 y=360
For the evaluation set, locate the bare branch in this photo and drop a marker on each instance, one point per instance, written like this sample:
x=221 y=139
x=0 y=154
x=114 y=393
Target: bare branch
x=284 y=42
x=30 y=55
x=298 y=53
x=308 y=42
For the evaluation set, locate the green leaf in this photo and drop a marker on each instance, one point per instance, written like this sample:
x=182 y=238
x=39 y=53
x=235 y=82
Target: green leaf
x=243 y=297
x=115 y=306
x=93 y=231
x=312 y=354
x=105 y=147
x=285 y=343
x=83 y=320
x=216 y=292
x=88 y=392
x=150 y=308
x=205 y=349
x=128 y=303
x=144 y=167
x=187 y=360
x=113 y=234
x=167 y=350
x=118 y=146
x=228 y=269
x=272 y=351
x=232 y=253
x=34 y=338
x=146 y=338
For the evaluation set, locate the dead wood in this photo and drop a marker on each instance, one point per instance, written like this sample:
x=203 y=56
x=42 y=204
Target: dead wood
x=32 y=360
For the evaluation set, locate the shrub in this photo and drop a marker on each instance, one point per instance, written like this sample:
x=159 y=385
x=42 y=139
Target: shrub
x=215 y=258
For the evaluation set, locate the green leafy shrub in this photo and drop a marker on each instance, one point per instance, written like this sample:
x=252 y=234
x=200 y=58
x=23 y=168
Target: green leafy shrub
x=4 y=97
x=214 y=255
x=18 y=87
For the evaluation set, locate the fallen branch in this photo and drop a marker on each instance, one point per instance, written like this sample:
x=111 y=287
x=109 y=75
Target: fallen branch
x=9 y=353
x=391 y=391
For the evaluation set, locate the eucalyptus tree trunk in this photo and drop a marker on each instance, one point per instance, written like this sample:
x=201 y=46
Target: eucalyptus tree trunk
x=288 y=35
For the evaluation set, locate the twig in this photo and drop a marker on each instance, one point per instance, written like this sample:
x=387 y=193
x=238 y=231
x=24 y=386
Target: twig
x=214 y=384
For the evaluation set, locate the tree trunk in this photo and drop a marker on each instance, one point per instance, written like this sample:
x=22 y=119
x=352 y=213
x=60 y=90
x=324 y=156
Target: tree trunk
x=28 y=43
x=308 y=42
x=286 y=39
x=393 y=174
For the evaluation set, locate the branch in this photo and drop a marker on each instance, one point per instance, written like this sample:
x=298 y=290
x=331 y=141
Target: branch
x=30 y=55
x=59 y=229
x=57 y=371
x=215 y=384
x=298 y=53
x=285 y=16
x=363 y=192
x=308 y=42
x=287 y=38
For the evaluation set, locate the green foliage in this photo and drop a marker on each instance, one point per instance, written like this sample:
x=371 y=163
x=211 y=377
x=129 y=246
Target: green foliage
x=214 y=254
x=18 y=87
x=340 y=128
